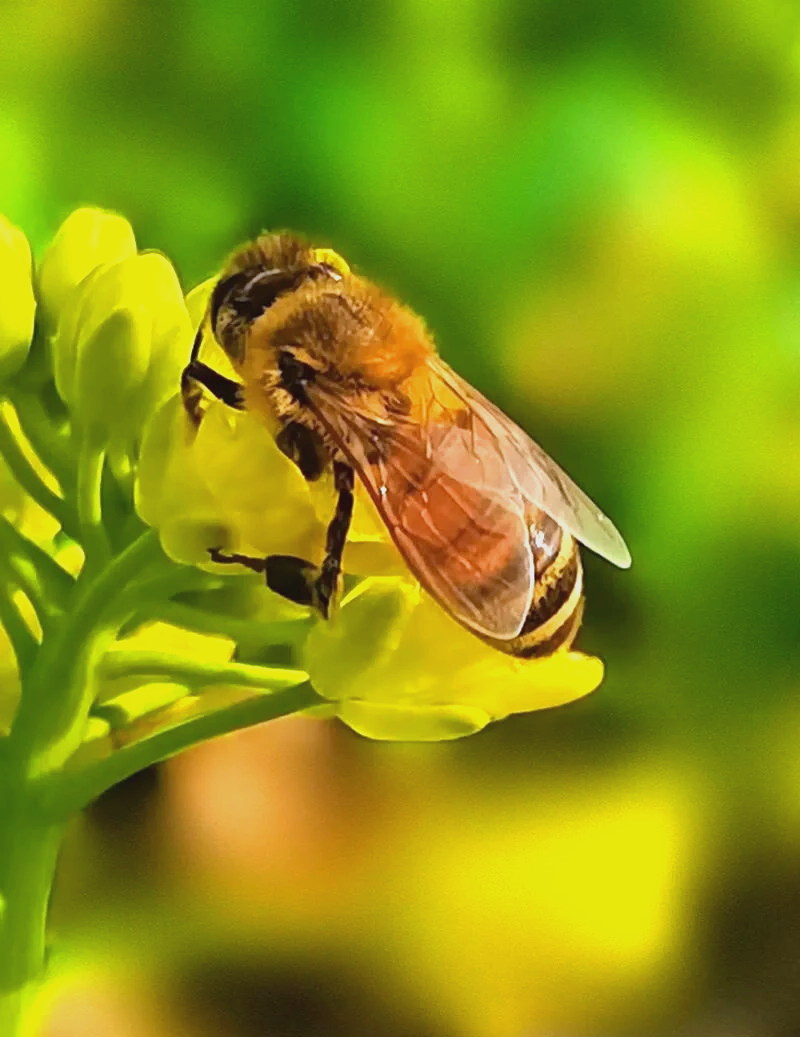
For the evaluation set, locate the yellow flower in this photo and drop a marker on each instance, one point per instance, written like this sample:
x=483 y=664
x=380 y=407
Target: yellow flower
x=19 y=304
x=400 y=668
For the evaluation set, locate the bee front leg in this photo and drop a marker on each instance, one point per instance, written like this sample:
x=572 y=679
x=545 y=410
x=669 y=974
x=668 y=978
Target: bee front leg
x=197 y=373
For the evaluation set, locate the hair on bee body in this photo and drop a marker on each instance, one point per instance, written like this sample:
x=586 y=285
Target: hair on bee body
x=484 y=518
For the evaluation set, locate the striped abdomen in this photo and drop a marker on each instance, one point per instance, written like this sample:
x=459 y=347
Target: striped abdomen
x=557 y=603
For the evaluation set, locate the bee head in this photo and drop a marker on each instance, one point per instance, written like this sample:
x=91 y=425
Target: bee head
x=242 y=296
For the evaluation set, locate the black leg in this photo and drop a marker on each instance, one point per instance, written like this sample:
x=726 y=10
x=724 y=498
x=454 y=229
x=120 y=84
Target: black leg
x=258 y=565
x=295 y=578
x=218 y=385
x=303 y=446
x=328 y=579
x=291 y=577
x=196 y=372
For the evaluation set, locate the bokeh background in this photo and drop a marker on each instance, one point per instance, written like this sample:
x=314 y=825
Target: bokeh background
x=597 y=208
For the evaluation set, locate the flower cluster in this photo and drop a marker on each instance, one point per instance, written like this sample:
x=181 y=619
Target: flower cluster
x=113 y=332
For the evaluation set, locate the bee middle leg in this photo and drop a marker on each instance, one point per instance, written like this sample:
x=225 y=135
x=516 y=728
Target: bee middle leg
x=291 y=577
x=328 y=578
x=295 y=578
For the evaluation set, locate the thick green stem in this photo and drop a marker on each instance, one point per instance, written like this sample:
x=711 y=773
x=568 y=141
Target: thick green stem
x=49 y=727
x=28 y=851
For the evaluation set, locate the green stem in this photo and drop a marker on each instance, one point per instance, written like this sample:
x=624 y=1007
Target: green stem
x=20 y=574
x=194 y=673
x=29 y=480
x=246 y=631
x=91 y=460
x=52 y=447
x=67 y=660
x=147 y=594
x=23 y=642
x=59 y=795
x=56 y=583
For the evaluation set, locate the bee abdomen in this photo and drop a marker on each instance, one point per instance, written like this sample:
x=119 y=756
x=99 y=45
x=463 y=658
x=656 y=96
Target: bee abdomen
x=557 y=603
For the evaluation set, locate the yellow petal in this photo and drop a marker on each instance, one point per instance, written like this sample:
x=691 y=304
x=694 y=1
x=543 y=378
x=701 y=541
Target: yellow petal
x=386 y=722
x=211 y=352
x=256 y=486
x=522 y=685
x=349 y=655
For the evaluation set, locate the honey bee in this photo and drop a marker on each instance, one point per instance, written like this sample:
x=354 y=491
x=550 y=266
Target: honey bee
x=483 y=518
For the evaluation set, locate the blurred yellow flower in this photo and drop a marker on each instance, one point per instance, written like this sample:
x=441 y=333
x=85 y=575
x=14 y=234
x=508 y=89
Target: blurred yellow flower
x=19 y=304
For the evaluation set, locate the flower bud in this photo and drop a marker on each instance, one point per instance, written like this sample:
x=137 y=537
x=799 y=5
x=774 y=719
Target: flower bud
x=19 y=304
x=88 y=238
x=122 y=340
x=111 y=364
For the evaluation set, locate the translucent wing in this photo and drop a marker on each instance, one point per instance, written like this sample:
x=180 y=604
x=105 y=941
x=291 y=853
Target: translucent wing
x=456 y=483
x=526 y=471
x=467 y=545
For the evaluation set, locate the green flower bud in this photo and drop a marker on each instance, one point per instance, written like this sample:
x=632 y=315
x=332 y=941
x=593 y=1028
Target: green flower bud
x=122 y=340
x=88 y=238
x=19 y=304
x=111 y=365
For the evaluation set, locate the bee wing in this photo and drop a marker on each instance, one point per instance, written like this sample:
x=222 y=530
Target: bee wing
x=466 y=543
x=526 y=469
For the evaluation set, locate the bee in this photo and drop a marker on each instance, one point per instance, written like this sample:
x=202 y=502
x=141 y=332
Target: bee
x=484 y=519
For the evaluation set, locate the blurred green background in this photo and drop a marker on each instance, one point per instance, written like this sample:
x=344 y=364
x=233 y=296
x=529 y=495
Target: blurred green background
x=597 y=208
